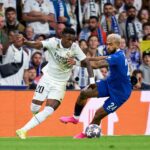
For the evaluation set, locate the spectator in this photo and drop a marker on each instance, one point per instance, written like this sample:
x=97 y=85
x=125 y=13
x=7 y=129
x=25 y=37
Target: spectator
x=122 y=17
x=39 y=14
x=4 y=42
x=119 y=5
x=146 y=4
x=104 y=71
x=90 y=8
x=11 y=20
x=15 y=54
x=109 y=22
x=133 y=54
x=83 y=45
x=93 y=28
x=143 y=15
x=61 y=13
x=145 y=67
x=10 y=3
x=36 y=61
x=31 y=77
x=140 y=85
x=71 y=7
x=93 y=44
x=11 y=37
x=131 y=27
x=123 y=45
x=59 y=29
x=136 y=3
x=29 y=33
x=146 y=28
x=2 y=7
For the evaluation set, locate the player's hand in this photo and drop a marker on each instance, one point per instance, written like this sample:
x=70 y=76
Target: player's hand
x=71 y=61
x=92 y=86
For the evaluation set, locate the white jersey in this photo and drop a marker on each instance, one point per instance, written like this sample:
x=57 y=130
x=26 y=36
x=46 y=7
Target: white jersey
x=57 y=67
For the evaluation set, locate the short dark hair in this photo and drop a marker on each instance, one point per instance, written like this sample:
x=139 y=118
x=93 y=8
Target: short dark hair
x=146 y=53
x=68 y=30
x=137 y=71
x=130 y=7
x=40 y=35
x=108 y=4
x=82 y=40
x=9 y=9
x=91 y=37
x=94 y=17
x=31 y=68
x=146 y=24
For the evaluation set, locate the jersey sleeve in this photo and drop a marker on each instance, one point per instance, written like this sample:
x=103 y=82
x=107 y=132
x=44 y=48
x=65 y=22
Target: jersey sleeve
x=113 y=59
x=79 y=55
x=49 y=43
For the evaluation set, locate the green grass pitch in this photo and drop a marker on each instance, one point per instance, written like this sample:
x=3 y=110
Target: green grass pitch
x=68 y=143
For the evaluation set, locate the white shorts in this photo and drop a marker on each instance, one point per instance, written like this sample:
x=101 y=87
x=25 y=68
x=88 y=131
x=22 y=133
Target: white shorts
x=49 y=89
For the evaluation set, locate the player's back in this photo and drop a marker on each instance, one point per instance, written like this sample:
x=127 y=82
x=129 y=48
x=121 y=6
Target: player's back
x=119 y=79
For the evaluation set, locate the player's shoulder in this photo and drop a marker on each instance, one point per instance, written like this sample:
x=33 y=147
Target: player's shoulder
x=119 y=53
x=53 y=40
x=75 y=46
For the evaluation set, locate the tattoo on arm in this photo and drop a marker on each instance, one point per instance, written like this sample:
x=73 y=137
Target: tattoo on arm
x=98 y=58
x=101 y=63
x=96 y=64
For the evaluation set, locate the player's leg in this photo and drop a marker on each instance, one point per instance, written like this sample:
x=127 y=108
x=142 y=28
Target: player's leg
x=101 y=90
x=42 y=92
x=35 y=106
x=99 y=115
x=109 y=106
x=79 y=105
x=40 y=95
x=54 y=98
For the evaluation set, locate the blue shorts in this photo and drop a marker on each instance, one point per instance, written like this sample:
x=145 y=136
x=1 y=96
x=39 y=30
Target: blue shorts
x=113 y=102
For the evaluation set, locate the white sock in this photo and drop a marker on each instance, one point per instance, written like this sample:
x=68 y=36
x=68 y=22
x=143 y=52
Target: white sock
x=35 y=108
x=76 y=117
x=38 y=118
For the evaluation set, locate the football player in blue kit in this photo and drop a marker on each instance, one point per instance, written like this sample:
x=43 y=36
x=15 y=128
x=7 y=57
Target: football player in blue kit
x=116 y=86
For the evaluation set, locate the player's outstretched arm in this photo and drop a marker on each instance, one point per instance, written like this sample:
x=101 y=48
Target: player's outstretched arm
x=98 y=58
x=36 y=45
x=95 y=64
x=99 y=64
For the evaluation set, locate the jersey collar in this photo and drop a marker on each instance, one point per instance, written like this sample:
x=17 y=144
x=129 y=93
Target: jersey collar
x=60 y=45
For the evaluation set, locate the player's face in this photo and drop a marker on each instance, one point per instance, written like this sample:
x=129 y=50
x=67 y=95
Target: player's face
x=67 y=40
x=111 y=46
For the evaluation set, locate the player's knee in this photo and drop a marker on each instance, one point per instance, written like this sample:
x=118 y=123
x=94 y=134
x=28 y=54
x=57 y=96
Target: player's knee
x=83 y=95
x=48 y=111
x=35 y=108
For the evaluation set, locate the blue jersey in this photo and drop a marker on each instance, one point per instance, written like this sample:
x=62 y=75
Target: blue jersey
x=119 y=84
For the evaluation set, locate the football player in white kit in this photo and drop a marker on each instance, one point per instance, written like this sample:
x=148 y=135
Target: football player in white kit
x=52 y=85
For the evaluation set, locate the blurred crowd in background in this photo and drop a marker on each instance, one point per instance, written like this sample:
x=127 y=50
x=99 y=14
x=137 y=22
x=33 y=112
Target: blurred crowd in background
x=92 y=20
